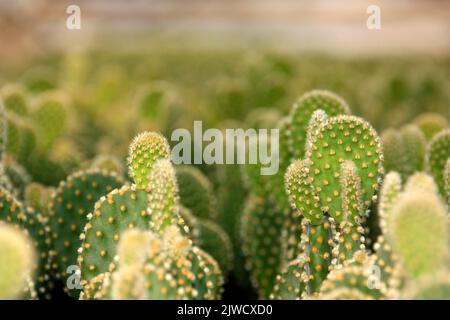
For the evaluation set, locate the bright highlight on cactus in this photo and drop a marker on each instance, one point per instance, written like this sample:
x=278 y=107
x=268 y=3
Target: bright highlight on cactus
x=145 y=150
x=16 y=263
x=419 y=232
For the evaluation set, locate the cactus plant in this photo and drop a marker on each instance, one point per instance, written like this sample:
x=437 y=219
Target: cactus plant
x=419 y=232
x=151 y=204
x=68 y=209
x=158 y=267
x=431 y=123
x=438 y=152
x=404 y=150
x=196 y=192
x=309 y=231
x=260 y=233
x=15 y=213
x=302 y=111
x=16 y=266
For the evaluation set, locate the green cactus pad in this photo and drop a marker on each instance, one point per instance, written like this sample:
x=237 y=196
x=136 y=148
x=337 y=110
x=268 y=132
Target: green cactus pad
x=17 y=264
x=301 y=194
x=13 y=212
x=50 y=118
x=389 y=193
x=118 y=211
x=145 y=150
x=431 y=123
x=419 y=232
x=213 y=240
x=316 y=245
x=395 y=157
x=349 y=236
x=421 y=181
x=290 y=283
x=291 y=236
x=208 y=277
x=301 y=112
x=391 y=272
x=261 y=226
x=68 y=209
x=196 y=192
x=37 y=197
x=438 y=152
x=153 y=267
x=344 y=138
x=414 y=145
x=21 y=138
x=163 y=200
x=18 y=177
x=357 y=274
x=15 y=99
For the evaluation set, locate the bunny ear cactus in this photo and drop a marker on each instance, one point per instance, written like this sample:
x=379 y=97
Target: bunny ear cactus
x=155 y=208
x=301 y=112
x=20 y=136
x=68 y=209
x=15 y=99
x=13 y=212
x=260 y=232
x=344 y=138
x=415 y=145
x=358 y=274
x=163 y=199
x=389 y=193
x=196 y=192
x=38 y=196
x=127 y=208
x=49 y=115
x=290 y=283
x=157 y=267
x=419 y=230
x=332 y=196
x=145 y=150
x=438 y=152
x=17 y=263
x=350 y=233
x=315 y=230
x=394 y=150
x=431 y=123
x=155 y=105
x=17 y=176
x=213 y=240
x=114 y=213
x=404 y=150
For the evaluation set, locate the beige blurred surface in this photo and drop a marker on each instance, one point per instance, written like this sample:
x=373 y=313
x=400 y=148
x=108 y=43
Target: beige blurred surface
x=29 y=27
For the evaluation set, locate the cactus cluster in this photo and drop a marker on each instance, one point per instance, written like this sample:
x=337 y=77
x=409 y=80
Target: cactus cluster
x=333 y=185
x=93 y=208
